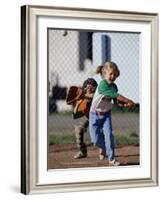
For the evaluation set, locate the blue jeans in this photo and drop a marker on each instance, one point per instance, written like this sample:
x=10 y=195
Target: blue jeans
x=100 y=128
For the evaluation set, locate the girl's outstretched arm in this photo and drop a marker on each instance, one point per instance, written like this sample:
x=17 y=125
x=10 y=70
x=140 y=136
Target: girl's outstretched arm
x=127 y=102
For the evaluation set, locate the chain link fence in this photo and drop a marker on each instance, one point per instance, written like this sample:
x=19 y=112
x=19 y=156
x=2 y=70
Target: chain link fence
x=73 y=57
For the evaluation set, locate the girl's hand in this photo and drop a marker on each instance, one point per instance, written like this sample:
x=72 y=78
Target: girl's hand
x=129 y=104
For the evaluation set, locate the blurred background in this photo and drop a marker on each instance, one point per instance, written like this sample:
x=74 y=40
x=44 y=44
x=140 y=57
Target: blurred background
x=73 y=56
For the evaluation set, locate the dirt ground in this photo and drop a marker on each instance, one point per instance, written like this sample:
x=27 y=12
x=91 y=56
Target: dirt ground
x=61 y=156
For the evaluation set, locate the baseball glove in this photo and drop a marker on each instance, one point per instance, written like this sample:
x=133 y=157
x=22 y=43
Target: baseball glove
x=73 y=94
x=129 y=104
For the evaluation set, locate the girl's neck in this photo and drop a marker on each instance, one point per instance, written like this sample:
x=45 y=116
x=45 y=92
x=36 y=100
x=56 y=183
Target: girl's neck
x=108 y=81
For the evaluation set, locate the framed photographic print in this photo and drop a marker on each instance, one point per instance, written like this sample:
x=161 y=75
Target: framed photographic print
x=70 y=58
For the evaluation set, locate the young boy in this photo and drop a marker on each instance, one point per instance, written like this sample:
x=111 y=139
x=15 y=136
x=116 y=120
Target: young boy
x=80 y=98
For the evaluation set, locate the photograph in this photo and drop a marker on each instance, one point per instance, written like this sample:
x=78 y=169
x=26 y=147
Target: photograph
x=89 y=99
x=82 y=66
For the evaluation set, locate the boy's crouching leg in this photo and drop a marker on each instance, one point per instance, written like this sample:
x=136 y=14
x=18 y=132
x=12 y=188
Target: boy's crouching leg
x=79 y=133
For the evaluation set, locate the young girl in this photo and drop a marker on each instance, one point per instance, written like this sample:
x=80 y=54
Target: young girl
x=100 y=122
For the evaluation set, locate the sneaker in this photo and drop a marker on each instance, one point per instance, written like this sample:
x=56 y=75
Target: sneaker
x=80 y=155
x=102 y=154
x=114 y=163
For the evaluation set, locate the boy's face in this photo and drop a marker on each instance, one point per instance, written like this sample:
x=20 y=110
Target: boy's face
x=90 y=88
x=110 y=75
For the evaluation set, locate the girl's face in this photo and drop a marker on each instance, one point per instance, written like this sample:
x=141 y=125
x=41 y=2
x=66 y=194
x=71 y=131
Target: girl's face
x=110 y=75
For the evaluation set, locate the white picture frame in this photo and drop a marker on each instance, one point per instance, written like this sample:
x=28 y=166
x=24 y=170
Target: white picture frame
x=35 y=177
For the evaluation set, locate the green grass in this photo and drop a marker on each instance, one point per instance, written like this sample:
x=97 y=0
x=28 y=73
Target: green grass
x=128 y=139
x=62 y=139
x=117 y=109
x=66 y=139
x=62 y=113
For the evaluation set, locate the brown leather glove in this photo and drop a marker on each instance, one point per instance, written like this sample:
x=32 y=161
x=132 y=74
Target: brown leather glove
x=129 y=104
x=73 y=94
x=125 y=102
